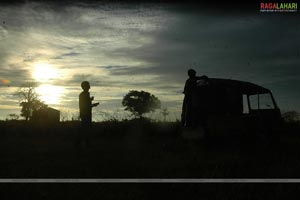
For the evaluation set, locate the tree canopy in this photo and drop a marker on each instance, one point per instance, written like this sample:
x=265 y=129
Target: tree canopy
x=291 y=116
x=29 y=101
x=140 y=102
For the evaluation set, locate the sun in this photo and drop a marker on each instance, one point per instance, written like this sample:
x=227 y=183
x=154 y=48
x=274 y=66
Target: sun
x=50 y=94
x=43 y=72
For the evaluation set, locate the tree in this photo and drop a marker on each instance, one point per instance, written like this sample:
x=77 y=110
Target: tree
x=140 y=102
x=29 y=101
x=291 y=116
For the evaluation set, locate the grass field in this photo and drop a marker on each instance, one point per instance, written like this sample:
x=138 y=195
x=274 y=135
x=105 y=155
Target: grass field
x=133 y=149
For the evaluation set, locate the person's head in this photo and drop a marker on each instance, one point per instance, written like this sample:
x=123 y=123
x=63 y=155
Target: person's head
x=85 y=85
x=191 y=73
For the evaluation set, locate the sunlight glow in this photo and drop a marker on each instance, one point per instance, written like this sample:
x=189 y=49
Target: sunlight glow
x=50 y=94
x=44 y=72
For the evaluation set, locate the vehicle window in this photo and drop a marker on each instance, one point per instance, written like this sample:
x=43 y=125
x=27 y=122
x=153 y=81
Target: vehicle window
x=253 y=102
x=261 y=101
x=245 y=105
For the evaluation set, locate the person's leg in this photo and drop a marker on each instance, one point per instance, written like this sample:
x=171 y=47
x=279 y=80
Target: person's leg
x=87 y=132
x=189 y=114
x=80 y=137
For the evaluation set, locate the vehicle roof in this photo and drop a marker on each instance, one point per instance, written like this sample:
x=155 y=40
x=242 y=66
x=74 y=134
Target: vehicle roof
x=243 y=86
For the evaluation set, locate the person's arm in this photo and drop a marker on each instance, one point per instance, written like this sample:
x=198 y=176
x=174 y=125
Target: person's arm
x=95 y=104
x=201 y=77
x=185 y=87
x=204 y=77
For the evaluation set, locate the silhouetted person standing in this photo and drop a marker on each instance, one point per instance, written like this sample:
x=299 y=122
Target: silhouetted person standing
x=190 y=84
x=85 y=105
x=189 y=110
x=85 y=108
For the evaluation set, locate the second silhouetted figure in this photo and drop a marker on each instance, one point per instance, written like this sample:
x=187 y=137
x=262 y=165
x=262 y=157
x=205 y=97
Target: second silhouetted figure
x=190 y=104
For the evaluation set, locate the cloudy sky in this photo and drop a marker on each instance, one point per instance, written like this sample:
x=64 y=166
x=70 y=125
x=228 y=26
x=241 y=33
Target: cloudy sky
x=141 y=46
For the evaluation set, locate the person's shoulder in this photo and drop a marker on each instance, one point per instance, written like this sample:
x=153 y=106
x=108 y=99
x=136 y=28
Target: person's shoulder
x=188 y=80
x=83 y=93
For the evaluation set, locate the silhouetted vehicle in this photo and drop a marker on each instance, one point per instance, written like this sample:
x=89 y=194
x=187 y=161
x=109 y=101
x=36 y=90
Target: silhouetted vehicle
x=224 y=107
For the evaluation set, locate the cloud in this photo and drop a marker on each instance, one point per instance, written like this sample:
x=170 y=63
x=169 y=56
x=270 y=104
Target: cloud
x=119 y=47
x=15 y=75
